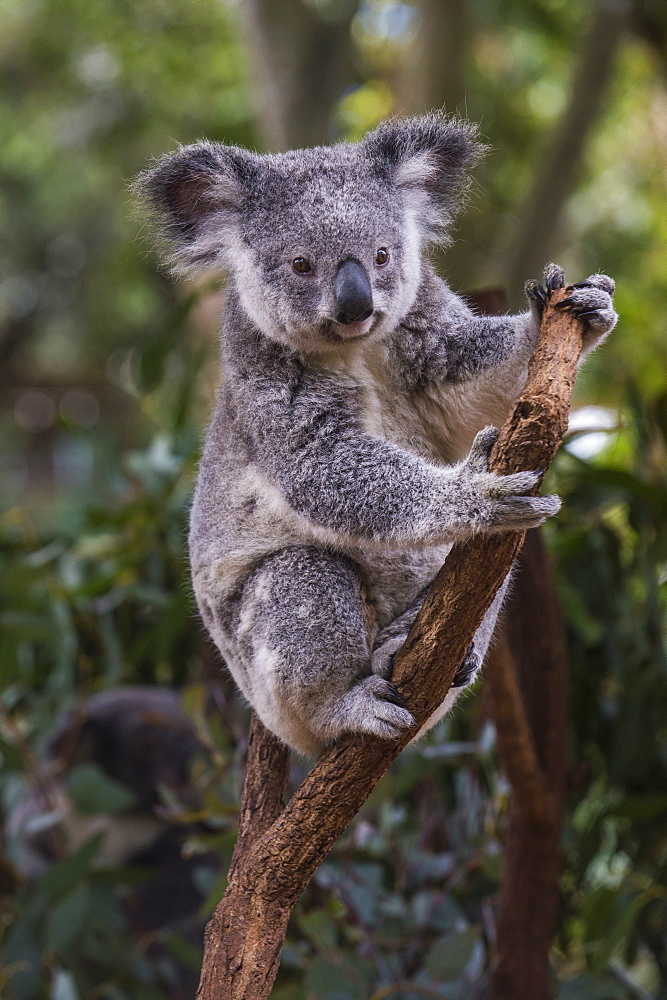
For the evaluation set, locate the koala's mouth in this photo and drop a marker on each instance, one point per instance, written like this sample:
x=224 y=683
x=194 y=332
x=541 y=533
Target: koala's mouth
x=351 y=331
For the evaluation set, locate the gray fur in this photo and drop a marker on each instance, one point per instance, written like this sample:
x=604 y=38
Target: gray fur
x=338 y=469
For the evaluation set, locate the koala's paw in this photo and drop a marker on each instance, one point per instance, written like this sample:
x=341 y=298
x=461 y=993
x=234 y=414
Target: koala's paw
x=467 y=671
x=382 y=658
x=493 y=503
x=375 y=706
x=537 y=294
x=510 y=512
x=480 y=450
x=591 y=300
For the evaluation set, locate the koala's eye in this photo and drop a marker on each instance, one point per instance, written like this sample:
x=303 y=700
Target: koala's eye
x=301 y=265
x=381 y=256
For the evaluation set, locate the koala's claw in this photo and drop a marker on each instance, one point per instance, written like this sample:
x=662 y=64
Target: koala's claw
x=591 y=300
x=382 y=658
x=394 y=696
x=520 y=513
x=536 y=292
x=375 y=706
x=601 y=281
x=554 y=277
x=517 y=483
x=466 y=672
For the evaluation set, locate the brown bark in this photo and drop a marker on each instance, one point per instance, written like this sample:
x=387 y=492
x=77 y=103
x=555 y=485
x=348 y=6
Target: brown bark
x=529 y=695
x=515 y=739
x=246 y=932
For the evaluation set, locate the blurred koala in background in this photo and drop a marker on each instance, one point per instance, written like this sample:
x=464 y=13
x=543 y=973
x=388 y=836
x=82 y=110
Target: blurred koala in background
x=139 y=738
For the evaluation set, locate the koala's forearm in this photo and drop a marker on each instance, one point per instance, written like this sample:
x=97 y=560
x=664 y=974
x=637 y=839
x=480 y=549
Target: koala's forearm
x=367 y=491
x=483 y=345
x=370 y=492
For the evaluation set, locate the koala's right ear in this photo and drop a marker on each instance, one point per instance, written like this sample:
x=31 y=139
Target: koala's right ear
x=195 y=197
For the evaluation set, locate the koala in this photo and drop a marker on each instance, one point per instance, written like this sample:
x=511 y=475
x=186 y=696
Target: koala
x=359 y=401
x=138 y=737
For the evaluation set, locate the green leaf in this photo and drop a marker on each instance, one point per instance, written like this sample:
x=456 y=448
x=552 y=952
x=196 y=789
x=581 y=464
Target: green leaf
x=329 y=982
x=94 y=792
x=592 y=988
x=449 y=955
x=320 y=928
x=67 y=919
x=22 y=950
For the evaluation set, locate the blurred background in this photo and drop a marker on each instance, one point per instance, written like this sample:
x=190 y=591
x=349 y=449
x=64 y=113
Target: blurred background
x=107 y=370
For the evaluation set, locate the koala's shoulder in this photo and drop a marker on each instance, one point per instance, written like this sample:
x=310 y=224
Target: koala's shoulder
x=435 y=310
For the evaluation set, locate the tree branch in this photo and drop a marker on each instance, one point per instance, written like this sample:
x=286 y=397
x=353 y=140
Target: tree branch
x=263 y=798
x=246 y=932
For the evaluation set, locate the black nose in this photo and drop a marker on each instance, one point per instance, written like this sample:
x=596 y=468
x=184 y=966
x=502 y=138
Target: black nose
x=353 y=293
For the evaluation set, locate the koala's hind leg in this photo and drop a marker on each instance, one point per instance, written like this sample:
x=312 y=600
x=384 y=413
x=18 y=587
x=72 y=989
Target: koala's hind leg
x=391 y=638
x=303 y=637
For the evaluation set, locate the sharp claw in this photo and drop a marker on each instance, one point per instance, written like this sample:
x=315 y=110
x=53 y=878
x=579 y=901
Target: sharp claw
x=554 y=277
x=564 y=302
x=463 y=677
x=395 y=697
x=535 y=291
x=467 y=669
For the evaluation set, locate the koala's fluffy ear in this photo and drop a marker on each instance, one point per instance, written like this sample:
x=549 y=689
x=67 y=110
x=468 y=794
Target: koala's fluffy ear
x=429 y=159
x=195 y=197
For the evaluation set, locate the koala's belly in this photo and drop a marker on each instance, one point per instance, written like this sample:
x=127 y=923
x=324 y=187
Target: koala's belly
x=239 y=520
x=392 y=580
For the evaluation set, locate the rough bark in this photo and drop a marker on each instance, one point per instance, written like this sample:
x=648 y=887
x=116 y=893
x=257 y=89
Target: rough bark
x=530 y=713
x=529 y=696
x=246 y=932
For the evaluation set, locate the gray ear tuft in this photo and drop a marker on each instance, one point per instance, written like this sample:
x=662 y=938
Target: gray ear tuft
x=429 y=158
x=194 y=198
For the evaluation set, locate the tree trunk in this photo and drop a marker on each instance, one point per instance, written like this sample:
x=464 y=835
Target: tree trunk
x=527 y=674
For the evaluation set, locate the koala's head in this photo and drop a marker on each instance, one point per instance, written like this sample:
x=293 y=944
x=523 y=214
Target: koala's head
x=324 y=245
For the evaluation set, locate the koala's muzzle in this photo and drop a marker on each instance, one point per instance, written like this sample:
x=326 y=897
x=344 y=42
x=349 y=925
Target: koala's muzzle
x=353 y=293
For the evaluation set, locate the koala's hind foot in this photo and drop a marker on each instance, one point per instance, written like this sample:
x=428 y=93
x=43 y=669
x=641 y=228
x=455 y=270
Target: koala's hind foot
x=374 y=706
x=467 y=672
x=391 y=638
x=303 y=656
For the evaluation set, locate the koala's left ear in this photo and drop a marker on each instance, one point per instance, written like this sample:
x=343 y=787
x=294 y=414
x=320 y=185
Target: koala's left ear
x=429 y=158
